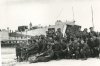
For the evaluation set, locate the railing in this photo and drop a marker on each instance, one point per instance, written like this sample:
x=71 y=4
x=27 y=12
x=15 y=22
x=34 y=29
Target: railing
x=12 y=43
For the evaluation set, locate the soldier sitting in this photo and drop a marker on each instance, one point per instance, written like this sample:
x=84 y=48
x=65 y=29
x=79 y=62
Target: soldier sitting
x=64 y=50
x=84 y=49
x=43 y=57
x=32 y=48
x=57 y=49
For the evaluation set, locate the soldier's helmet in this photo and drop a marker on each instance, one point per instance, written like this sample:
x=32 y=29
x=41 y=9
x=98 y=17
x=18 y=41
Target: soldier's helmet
x=91 y=28
x=85 y=29
x=42 y=36
x=59 y=29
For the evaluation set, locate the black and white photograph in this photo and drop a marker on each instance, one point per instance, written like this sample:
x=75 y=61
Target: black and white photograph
x=50 y=32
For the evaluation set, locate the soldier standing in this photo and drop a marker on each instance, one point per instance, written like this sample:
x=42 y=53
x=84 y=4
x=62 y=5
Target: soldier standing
x=93 y=42
x=18 y=52
x=59 y=34
x=85 y=35
x=92 y=32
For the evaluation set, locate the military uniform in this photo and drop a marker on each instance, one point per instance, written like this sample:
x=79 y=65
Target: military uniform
x=44 y=57
x=57 y=50
x=85 y=35
x=84 y=50
x=63 y=50
x=32 y=49
x=42 y=45
x=92 y=33
x=76 y=46
x=59 y=34
x=24 y=54
x=18 y=52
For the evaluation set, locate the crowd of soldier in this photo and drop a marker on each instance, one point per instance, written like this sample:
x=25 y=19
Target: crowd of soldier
x=43 y=48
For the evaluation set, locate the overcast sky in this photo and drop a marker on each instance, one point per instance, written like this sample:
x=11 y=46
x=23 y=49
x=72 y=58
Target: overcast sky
x=21 y=12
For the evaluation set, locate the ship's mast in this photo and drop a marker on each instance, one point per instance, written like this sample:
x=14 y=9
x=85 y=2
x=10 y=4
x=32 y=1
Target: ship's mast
x=73 y=14
x=59 y=13
x=92 y=17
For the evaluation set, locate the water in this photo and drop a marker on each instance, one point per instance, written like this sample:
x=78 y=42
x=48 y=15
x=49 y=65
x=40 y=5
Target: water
x=8 y=56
